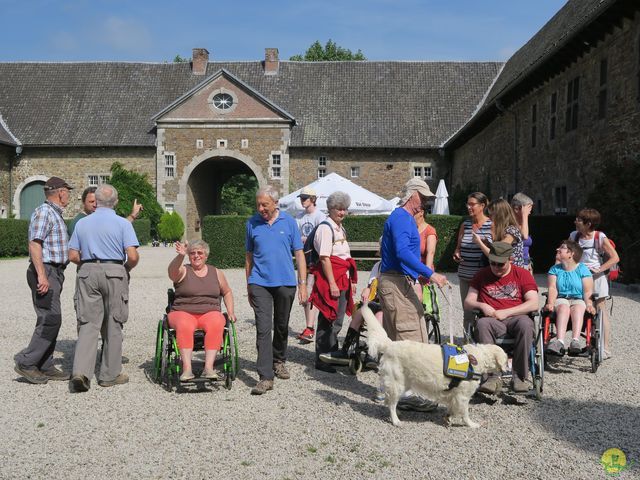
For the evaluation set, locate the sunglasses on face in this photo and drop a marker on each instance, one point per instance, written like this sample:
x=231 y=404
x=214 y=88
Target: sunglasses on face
x=497 y=264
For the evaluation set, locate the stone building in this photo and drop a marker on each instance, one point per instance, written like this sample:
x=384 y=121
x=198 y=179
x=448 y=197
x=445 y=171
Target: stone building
x=190 y=127
x=564 y=106
x=546 y=122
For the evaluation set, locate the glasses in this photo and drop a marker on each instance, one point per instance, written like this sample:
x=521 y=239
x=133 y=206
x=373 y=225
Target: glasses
x=497 y=264
x=579 y=220
x=200 y=253
x=471 y=205
x=562 y=247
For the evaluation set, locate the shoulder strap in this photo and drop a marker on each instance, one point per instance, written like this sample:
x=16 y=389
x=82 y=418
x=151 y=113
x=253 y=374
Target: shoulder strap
x=597 y=242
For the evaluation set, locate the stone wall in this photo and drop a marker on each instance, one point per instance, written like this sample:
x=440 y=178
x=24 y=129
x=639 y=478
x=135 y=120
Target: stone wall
x=75 y=165
x=575 y=158
x=382 y=171
x=6 y=153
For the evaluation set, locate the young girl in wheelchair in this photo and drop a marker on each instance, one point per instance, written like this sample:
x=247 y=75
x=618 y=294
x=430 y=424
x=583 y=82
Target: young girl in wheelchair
x=570 y=290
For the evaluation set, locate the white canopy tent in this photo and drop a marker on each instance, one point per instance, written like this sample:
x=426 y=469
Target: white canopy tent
x=441 y=204
x=363 y=202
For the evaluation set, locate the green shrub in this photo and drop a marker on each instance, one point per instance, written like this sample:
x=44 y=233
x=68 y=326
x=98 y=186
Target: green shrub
x=133 y=185
x=14 y=237
x=225 y=235
x=142 y=227
x=170 y=227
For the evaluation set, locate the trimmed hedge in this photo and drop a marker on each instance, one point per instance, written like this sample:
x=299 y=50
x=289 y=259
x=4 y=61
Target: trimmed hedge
x=142 y=227
x=225 y=236
x=14 y=237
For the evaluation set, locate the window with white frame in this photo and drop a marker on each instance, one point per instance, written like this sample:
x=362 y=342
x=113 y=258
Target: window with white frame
x=244 y=143
x=322 y=172
x=169 y=165
x=322 y=161
x=355 y=172
x=276 y=165
x=199 y=143
x=222 y=143
x=169 y=207
x=422 y=171
x=95 y=179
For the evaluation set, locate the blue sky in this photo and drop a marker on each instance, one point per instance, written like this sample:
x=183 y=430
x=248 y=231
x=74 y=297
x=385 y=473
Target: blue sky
x=156 y=31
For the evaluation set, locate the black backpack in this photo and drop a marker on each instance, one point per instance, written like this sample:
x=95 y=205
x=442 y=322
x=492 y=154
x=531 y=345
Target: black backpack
x=311 y=255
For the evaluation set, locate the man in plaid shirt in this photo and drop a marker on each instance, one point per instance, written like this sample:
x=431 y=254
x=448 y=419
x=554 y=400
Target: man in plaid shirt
x=49 y=255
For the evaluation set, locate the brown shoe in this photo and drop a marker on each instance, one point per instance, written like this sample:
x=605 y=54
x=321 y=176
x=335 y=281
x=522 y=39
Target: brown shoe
x=119 y=380
x=31 y=375
x=519 y=386
x=281 y=371
x=55 y=374
x=80 y=383
x=263 y=386
x=492 y=386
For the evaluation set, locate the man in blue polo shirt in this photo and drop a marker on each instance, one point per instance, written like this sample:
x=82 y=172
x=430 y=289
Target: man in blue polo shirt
x=104 y=245
x=271 y=237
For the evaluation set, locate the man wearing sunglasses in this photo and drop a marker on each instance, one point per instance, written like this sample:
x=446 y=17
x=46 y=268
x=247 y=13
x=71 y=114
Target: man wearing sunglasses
x=505 y=294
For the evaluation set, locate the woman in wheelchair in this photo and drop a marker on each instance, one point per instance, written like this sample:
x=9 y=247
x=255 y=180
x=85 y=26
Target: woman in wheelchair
x=570 y=289
x=198 y=290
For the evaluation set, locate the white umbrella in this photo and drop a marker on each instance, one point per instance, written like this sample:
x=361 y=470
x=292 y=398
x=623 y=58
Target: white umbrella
x=363 y=202
x=441 y=205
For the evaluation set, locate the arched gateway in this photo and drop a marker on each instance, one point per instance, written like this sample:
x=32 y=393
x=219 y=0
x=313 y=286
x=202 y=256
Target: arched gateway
x=219 y=129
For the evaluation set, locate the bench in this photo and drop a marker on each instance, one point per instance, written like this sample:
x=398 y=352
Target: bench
x=364 y=250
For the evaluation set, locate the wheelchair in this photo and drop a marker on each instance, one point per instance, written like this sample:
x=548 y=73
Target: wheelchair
x=536 y=352
x=167 y=364
x=592 y=332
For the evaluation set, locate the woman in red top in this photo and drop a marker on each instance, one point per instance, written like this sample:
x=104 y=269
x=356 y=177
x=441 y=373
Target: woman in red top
x=428 y=240
x=199 y=288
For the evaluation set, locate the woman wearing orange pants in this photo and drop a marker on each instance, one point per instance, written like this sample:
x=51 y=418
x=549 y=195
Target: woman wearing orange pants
x=199 y=288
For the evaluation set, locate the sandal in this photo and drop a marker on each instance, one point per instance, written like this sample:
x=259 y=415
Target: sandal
x=186 y=376
x=209 y=374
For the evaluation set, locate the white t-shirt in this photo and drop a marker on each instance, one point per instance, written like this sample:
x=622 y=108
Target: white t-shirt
x=308 y=221
x=590 y=251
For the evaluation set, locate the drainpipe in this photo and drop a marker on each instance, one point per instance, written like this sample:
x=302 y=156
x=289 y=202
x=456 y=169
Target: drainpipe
x=11 y=159
x=516 y=160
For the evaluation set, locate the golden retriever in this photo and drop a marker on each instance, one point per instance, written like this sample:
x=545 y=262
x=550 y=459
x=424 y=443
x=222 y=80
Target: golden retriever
x=407 y=365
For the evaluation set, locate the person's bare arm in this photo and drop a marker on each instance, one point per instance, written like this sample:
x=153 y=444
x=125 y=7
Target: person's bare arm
x=302 y=277
x=135 y=210
x=553 y=292
x=456 y=253
x=530 y=304
x=74 y=256
x=35 y=252
x=432 y=241
x=227 y=295
x=471 y=302
x=176 y=268
x=132 y=258
x=611 y=253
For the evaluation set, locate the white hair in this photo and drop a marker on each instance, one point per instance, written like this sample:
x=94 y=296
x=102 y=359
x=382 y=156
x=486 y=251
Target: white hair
x=106 y=196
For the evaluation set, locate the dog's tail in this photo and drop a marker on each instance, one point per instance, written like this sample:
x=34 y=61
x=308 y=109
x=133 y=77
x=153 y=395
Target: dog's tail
x=377 y=339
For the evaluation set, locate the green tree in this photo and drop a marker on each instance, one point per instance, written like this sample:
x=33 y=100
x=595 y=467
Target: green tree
x=238 y=196
x=330 y=52
x=170 y=227
x=132 y=185
x=180 y=59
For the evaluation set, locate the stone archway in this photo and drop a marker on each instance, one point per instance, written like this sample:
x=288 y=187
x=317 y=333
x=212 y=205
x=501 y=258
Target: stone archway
x=202 y=180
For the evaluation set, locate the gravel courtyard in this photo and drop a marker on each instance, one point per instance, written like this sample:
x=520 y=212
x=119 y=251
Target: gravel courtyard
x=315 y=425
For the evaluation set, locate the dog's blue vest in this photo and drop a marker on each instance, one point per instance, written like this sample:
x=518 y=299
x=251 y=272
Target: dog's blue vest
x=457 y=365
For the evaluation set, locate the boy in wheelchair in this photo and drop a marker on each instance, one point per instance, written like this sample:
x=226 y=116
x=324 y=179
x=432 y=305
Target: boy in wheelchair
x=570 y=289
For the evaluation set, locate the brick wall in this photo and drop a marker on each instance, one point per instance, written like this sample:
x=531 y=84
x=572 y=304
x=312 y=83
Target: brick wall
x=574 y=158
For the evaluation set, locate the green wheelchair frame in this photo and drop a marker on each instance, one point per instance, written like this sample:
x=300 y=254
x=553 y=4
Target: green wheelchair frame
x=167 y=363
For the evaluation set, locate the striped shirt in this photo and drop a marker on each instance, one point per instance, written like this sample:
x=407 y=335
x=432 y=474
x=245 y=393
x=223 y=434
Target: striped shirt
x=47 y=225
x=472 y=257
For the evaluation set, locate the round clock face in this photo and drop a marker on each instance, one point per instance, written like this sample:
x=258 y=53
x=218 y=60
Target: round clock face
x=223 y=101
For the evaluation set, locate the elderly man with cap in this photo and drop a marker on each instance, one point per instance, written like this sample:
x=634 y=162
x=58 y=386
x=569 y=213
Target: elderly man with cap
x=401 y=275
x=505 y=294
x=307 y=220
x=104 y=245
x=48 y=254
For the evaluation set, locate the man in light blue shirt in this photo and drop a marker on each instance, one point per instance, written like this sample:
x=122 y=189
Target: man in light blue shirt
x=104 y=245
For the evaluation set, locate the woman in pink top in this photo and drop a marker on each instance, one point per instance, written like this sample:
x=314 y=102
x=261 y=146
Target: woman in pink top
x=199 y=288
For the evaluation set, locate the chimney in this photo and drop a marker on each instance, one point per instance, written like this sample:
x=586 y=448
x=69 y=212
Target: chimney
x=271 y=62
x=199 y=61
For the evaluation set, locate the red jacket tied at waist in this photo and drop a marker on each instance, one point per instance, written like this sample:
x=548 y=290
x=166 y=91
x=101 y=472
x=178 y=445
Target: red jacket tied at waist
x=321 y=294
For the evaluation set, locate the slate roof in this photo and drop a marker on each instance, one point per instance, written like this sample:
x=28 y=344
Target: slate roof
x=6 y=137
x=335 y=104
x=573 y=19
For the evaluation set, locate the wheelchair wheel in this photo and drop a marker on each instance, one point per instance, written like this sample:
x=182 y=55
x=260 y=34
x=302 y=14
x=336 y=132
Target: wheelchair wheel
x=596 y=349
x=355 y=363
x=230 y=354
x=157 y=359
x=537 y=359
x=433 y=330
